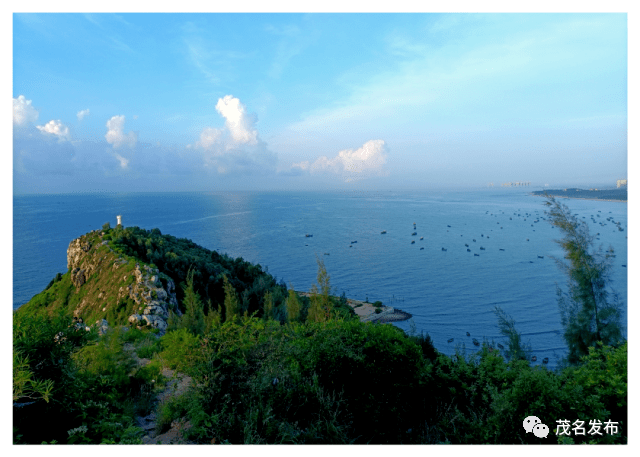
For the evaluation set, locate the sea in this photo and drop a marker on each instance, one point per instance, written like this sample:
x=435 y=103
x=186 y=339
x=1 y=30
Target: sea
x=449 y=288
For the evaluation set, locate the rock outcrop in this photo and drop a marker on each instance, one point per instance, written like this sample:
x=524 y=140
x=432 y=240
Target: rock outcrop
x=106 y=279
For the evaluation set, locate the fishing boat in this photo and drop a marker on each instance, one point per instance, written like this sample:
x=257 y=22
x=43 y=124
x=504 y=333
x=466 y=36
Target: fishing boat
x=450 y=340
x=383 y=232
x=475 y=342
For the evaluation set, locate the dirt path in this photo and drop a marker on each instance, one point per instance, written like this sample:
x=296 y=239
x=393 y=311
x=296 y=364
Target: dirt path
x=176 y=385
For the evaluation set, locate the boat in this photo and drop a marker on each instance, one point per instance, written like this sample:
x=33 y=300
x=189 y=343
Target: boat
x=468 y=334
x=413 y=242
x=449 y=226
x=468 y=250
x=450 y=340
x=308 y=235
x=422 y=237
x=354 y=242
x=414 y=233
x=534 y=358
x=482 y=249
x=477 y=255
x=443 y=249
x=545 y=360
x=466 y=244
x=326 y=253
x=500 y=346
x=421 y=249
x=383 y=232
x=501 y=249
x=541 y=257
x=475 y=342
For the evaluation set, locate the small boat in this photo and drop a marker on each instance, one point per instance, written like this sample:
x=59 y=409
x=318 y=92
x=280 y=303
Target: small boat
x=466 y=244
x=413 y=242
x=449 y=226
x=468 y=334
x=545 y=360
x=326 y=253
x=501 y=249
x=500 y=346
x=383 y=232
x=414 y=233
x=308 y=235
x=450 y=340
x=421 y=249
x=474 y=240
x=475 y=342
x=353 y=242
x=482 y=249
x=476 y=255
x=468 y=250
x=350 y=246
x=443 y=249
x=422 y=237
x=534 y=358
x=527 y=239
x=541 y=257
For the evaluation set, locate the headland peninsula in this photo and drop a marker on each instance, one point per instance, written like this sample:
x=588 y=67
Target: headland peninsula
x=612 y=195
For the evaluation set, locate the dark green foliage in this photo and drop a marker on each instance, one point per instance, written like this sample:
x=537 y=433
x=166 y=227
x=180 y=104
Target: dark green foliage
x=517 y=350
x=588 y=314
x=175 y=256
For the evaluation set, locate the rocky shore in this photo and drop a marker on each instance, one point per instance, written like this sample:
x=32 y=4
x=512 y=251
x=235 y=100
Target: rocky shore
x=367 y=311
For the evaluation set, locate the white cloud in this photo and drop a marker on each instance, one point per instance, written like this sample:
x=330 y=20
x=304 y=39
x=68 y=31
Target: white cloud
x=116 y=135
x=23 y=112
x=123 y=162
x=56 y=128
x=238 y=122
x=369 y=160
x=82 y=114
x=236 y=147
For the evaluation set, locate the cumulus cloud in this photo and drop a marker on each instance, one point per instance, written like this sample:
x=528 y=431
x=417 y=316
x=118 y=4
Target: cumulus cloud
x=369 y=160
x=116 y=136
x=23 y=112
x=82 y=114
x=236 y=147
x=56 y=128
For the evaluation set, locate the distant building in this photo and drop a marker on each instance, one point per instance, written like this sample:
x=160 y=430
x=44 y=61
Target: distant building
x=119 y=217
x=621 y=183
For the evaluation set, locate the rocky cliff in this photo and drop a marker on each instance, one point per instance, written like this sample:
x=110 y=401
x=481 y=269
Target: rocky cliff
x=103 y=284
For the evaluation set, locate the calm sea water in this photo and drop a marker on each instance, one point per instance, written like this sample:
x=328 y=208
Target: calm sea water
x=448 y=292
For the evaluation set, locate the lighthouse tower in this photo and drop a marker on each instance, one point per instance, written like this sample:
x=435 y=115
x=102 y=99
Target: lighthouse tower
x=119 y=219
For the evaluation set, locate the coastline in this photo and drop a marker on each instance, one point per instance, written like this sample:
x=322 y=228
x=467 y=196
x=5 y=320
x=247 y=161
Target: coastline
x=366 y=312
x=556 y=194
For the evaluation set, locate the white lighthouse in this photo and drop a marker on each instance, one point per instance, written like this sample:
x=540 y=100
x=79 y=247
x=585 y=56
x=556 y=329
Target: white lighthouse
x=119 y=217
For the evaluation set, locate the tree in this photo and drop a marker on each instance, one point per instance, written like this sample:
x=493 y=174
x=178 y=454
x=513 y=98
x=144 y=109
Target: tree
x=231 y=304
x=193 y=319
x=293 y=306
x=321 y=305
x=517 y=349
x=268 y=305
x=588 y=315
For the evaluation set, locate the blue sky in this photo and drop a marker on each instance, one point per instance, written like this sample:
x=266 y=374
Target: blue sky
x=150 y=102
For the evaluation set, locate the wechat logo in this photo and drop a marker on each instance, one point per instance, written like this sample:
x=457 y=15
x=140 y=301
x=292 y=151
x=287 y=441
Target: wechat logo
x=533 y=424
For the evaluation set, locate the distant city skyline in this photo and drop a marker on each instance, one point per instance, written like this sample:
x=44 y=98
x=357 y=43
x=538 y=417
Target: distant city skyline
x=193 y=102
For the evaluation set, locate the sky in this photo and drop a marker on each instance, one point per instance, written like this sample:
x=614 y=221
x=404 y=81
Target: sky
x=240 y=101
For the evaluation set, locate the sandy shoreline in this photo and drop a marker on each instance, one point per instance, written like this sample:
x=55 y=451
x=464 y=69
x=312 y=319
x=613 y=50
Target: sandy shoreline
x=367 y=311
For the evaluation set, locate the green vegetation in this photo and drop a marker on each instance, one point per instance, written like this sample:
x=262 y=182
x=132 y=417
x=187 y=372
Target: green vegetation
x=295 y=369
x=588 y=315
